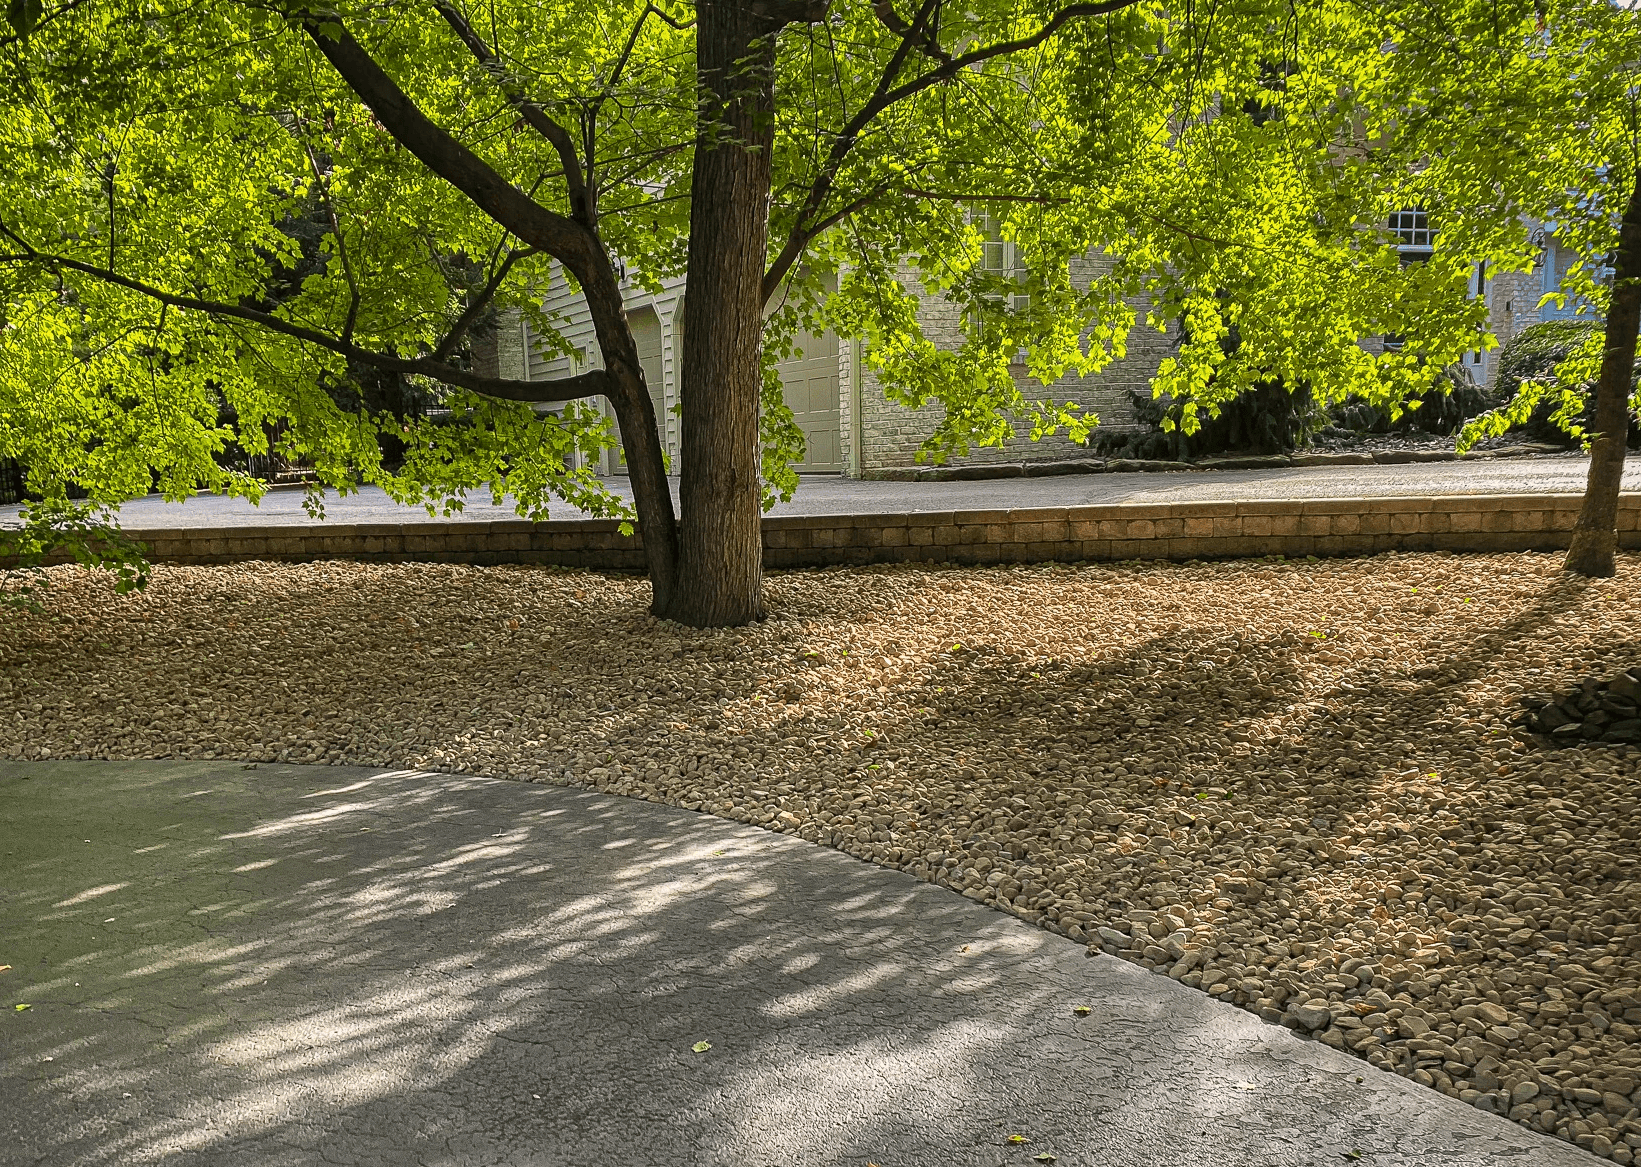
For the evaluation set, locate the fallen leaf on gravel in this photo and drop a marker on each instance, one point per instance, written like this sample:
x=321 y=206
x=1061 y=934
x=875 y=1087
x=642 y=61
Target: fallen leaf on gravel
x=701 y=1047
x=1045 y=1157
x=21 y=1008
x=1353 y=1153
x=1018 y=1139
x=1082 y=1010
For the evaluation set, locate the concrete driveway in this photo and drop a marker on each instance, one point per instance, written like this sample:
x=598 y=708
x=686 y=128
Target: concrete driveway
x=289 y=965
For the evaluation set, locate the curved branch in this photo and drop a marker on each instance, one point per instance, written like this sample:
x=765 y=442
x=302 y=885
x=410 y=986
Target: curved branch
x=888 y=94
x=336 y=233
x=784 y=12
x=593 y=383
x=926 y=39
x=796 y=242
x=567 y=240
x=45 y=19
x=632 y=42
x=532 y=113
x=445 y=347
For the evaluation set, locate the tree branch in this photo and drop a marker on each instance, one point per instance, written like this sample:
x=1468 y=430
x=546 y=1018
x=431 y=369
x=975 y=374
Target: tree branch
x=590 y=384
x=567 y=240
x=626 y=50
x=477 y=305
x=341 y=245
x=796 y=241
x=533 y=114
x=887 y=94
x=927 y=40
x=952 y=197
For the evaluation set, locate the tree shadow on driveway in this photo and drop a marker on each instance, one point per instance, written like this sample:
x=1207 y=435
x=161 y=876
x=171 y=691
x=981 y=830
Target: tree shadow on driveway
x=287 y=965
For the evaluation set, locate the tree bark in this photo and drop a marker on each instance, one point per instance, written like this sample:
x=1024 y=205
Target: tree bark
x=574 y=242
x=640 y=439
x=720 y=538
x=1595 y=536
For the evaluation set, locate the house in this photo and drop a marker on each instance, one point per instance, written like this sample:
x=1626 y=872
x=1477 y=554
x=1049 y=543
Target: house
x=850 y=426
x=853 y=429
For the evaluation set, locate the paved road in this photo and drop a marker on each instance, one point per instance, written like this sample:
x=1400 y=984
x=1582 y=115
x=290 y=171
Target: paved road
x=288 y=965
x=830 y=495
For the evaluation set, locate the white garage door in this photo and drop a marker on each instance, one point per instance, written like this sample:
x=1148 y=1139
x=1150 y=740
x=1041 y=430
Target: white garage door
x=810 y=382
x=646 y=334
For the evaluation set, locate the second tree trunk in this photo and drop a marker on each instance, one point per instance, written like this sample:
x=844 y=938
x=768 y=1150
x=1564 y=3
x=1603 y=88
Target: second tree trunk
x=1595 y=537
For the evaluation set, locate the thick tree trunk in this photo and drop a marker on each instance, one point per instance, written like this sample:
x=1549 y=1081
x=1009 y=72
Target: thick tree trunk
x=720 y=544
x=1595 y=537
x=640 y=441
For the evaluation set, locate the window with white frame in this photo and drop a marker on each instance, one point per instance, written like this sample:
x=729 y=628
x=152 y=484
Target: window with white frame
x=1000 y=257
x=1477 y=358
x=1412 y=230
x=1415 y=241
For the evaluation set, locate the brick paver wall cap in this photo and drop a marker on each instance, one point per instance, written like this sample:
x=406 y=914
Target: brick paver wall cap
x=1194 y=530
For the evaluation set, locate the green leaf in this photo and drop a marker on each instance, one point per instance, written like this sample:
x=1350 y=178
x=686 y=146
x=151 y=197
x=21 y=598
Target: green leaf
x=1082 y=1010
x=21 y=1008
x=1016 y=1140
x=1045 y=1157
x=700 y=1047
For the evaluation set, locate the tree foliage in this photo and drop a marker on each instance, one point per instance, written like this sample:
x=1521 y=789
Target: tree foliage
x=218 y=216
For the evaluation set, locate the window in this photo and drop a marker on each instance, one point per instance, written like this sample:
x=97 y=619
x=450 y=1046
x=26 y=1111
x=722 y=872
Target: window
x=1412 y=230
x=999 y=256
x=1477 y=291
x=1415 y=241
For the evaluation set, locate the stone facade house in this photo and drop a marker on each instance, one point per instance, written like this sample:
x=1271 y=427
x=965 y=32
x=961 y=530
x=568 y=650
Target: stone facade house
x=850 y=425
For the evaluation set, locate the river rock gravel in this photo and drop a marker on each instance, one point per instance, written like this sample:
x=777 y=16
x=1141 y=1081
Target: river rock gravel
x=1293 y=785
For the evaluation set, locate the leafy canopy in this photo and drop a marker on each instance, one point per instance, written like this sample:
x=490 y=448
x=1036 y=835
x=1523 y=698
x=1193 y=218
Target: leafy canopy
x=208 y=242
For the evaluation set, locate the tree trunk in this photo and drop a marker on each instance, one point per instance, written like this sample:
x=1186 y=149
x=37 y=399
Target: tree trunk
x=646 y=461
x=1595 y=537
x=720 y=540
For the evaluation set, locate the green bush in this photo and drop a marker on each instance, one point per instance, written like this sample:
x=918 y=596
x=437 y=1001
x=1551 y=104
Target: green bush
x=1534 y=352
x=1532 y=355
x=1453 y=400
x=1269 y=419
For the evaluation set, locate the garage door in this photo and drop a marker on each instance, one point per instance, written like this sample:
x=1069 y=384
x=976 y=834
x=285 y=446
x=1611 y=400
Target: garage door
x=646 y=334
x=810 y=383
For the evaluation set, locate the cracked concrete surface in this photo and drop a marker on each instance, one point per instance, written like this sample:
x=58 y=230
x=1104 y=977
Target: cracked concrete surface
x=293 y=965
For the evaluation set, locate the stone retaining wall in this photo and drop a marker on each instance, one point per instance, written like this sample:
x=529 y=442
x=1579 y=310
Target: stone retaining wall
x=1196 y=530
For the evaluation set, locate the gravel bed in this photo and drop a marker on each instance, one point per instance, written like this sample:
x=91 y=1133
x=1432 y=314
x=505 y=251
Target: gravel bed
x=1293 y=785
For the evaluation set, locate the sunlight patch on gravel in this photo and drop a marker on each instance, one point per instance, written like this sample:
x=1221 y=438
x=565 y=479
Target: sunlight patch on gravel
x=1292 y=785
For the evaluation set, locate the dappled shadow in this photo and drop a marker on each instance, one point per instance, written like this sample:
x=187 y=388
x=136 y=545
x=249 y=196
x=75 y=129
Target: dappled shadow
x=281 y=965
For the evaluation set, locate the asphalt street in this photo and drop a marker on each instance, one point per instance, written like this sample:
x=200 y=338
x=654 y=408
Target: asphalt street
x=831 y=495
